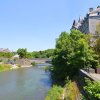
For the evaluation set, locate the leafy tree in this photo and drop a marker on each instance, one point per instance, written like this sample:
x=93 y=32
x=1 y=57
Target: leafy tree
x=97 y=47
x=6 y=54
x=22 y=52
x=36 y=54
x=29 y=55
x=84 y=56
x=43 y=54
x=62 y=56
x=71 y=54
x=49 y=53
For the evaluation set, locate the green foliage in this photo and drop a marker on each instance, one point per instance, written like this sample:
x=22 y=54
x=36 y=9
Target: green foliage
x=71 y=54
x=35 y=54
x=98 y=66
x=97 y=46
x=29 y=55
x=92 y=90
x=4 y=67
x=22 y=52
x=6 y=54
x=18 y=65
x=47 y=68
x=33 y=63
x=1 y=60
x=71 y=91
x=55 y=93
x=49 y=53
x=43 y=54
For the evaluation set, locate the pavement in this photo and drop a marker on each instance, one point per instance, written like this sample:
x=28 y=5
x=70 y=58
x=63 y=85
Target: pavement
x=95 y=76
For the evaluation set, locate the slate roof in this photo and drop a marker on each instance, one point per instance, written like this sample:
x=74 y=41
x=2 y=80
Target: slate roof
x=95 y=11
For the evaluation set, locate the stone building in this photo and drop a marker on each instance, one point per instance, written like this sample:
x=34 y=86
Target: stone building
x=89 y=22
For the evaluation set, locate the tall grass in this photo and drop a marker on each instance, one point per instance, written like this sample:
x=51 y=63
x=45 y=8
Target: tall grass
x=55 y=93
x=71 y=91
x=4 y=67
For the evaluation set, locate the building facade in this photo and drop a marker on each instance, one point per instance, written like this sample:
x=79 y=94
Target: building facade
x=89 y=23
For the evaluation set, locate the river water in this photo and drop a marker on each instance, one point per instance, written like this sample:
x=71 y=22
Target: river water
x=24 y=84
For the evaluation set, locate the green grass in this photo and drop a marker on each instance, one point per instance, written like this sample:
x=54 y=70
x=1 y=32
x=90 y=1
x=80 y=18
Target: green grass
x=71 y=91
x=55 y=93
x=4 y=67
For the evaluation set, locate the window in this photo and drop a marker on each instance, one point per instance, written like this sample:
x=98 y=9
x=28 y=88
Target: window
x=98 y=13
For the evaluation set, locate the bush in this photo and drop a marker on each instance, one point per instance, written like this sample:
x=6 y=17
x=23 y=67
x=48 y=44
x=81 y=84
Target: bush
x=1 y=60
x=92 y=90
x=55 y=93
x=4 y=67
x=46 y=68
x=19 y=65
x=71 y=91
x=33 y=63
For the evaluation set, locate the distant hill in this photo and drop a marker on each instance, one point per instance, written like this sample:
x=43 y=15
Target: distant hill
x=4 y=50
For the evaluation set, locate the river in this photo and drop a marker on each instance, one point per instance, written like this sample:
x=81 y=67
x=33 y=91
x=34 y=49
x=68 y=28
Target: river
x=24 y=84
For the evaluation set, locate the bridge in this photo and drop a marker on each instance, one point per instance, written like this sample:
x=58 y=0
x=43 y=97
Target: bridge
x=41 y=60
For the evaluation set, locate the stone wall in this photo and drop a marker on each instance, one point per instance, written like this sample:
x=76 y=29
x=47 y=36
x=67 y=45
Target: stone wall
x=93 y=22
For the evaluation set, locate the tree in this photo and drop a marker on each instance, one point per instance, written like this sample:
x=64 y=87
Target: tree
x=49 y=53
x=29 y=55
x=43 y=54
x=22 y=52
x=97 y=46
x=97 y=41
x=62 y=56
x=71 y=54
x=36 y=54
x=6 y=54
x=84 y=56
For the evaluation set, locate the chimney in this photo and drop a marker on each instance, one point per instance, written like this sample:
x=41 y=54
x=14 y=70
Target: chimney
x=90 y=9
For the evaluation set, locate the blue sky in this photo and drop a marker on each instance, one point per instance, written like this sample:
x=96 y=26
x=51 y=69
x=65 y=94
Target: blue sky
x=35 y=24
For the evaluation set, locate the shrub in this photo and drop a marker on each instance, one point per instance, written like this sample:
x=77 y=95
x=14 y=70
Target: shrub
x=33 y=63
x=71 y=91
x=46 y=68
x=4 y=67
x=19 y=65
x=92 y=90
x=55 y=93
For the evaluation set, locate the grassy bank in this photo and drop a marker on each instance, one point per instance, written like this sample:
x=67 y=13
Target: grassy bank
x=71 y=91
x=68 y=92
x=5 y=67
x=55 y=93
